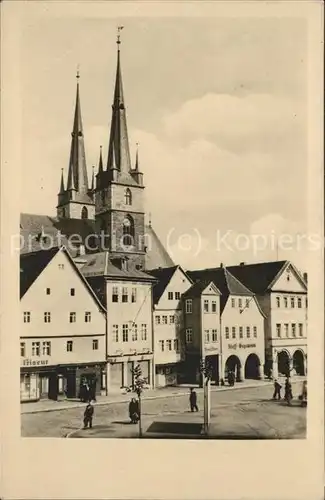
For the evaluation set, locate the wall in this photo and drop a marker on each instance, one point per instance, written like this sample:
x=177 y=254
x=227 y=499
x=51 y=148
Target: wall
x=210 y=321
x=73 y=210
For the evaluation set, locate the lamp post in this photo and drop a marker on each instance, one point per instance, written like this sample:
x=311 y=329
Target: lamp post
x=206 y=370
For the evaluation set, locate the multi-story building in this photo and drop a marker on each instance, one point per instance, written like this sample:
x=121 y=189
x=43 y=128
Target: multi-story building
x=126 y=294
x=201 y=312
x=282 y=294
x=242 y=325
x=172 y=282
x=63 y=328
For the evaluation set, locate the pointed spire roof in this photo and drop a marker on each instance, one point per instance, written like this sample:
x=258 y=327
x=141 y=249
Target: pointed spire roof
x=93 y=180
x=136 y=167
x=100 y=163
x=77 y=176
x=62 y=190
x=118 y=141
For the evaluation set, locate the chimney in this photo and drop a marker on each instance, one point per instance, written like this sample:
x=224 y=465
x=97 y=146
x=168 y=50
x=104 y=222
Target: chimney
x=81 y=250
x=305 y=275
x=242 y=263
x=221 y=264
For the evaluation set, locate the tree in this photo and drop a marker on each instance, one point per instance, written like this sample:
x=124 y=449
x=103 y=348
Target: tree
x=138 y=386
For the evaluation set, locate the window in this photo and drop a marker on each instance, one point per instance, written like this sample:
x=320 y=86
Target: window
x=301 y=330
x=47 y=317
x=206 y=306
x=292 y=300
x=135 y=332
x=188 y=335
x=206 y=336
x=233 y=332
x=240 y=303
x=170 y=295
x=128 y=197
x=177 y=295
x=248 y=332
x=306 y=302
x=255 y=331
x=26 y=317
x=69 y=346
x=124 y=294
x=227 y=332
x=95 y=345
x=169 y=345
x=278 y=330
x=293 y=329
x=115 y=294
x=171 y=319
x=162 y=345
x=285 y=299
x=214 y=306
x=157 y=320
x=241 y=333
x=164 y=320
x=176 y=347
x=233 y=303
x=72 y=292
x=143 y=331
x=278 y=303
x=115 y=333
x=61 y=266
x=134 y=295
x=22 y=349
x=73 y=317
x=286 y=329
x=214 y=335
x=47 y=348
x=248 y=302
x=128 y=231
x=188 y=306
x=125 y=336
x=48 y=291
x=84 y=213
x=299 y=302
x=36 y=347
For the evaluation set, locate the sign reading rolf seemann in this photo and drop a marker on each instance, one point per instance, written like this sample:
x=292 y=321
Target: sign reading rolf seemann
x=241 y=346
x=34 y=362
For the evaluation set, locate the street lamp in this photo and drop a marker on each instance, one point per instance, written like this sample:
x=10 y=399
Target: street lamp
x=206 y=370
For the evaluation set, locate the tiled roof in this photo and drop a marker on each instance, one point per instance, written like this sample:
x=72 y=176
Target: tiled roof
x=163 y=275
x=157 y=255
x=98 y=285
x=99 y=264
x=258 y=277
x=197 y=288
x=31 y=266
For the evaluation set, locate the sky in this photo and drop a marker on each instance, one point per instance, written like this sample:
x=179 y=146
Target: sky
x=218 y=106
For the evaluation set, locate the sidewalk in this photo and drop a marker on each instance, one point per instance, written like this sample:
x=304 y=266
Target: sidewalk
x=48 y=405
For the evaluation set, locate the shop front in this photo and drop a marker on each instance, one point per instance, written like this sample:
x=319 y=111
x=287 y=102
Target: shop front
x=120 y=370
x=166 y=375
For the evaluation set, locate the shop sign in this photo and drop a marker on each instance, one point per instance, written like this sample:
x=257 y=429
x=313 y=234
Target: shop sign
x=35 y=362
x=241 y=346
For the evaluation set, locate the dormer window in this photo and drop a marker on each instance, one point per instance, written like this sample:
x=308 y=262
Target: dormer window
x=128 y=197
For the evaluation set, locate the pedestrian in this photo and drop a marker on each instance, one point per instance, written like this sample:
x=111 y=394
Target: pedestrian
x=270 y=374
x=277 y=390
x=88 y=416
x=133 y=411
x=303 y=396
x=231 y=378
x=193 y=400
x=288 y=391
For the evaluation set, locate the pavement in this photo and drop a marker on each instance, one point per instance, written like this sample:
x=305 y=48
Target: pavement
x=243 y=412
x=47 y=405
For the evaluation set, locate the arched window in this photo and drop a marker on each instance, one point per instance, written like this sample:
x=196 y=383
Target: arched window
x=128 y=197
x=84 y=213
x=128 y=231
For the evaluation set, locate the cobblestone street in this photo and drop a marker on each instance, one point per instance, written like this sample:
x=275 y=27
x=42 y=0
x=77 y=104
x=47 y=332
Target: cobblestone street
x=247 y=413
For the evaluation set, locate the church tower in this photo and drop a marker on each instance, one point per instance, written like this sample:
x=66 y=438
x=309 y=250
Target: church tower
x=119 y=188
x=76 y=201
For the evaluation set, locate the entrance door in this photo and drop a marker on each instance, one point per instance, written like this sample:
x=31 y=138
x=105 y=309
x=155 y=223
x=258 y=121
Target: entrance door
x=53 y=386
x=71 y=384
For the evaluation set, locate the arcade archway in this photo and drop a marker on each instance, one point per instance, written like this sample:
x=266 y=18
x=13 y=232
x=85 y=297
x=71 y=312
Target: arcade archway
x=283 y=363
x=233 y=364
x=252 y=367
x=299 y=363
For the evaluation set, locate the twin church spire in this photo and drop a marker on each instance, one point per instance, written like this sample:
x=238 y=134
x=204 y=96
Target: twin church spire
x=118 y=165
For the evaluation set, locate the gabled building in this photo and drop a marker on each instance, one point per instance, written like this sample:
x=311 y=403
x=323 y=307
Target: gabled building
x=171 y=284
x=63 y=328
x=126 y=294
x=242 y=325
x=282 y=294
x=201 y=312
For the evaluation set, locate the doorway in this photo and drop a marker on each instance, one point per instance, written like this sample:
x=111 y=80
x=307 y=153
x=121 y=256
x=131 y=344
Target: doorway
x=299 y=363
x=252 y=367
x=284 y=363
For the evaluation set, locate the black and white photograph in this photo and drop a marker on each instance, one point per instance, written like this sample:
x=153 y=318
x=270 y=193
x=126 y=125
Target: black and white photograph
x=164 y=244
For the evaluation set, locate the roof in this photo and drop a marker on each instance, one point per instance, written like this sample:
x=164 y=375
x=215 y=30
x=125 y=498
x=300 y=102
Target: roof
x=226 y=283
x=163 y=275
x=99 y=264
x=258 y=277
x=31 y=266
x=198 y=288
x=61 y=231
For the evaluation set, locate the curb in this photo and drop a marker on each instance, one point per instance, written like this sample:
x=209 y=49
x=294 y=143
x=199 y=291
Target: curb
x=158 y=396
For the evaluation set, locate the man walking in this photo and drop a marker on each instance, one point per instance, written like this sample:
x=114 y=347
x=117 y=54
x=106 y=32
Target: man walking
x=277 y=390
x=88 y=416
x=193 y=400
